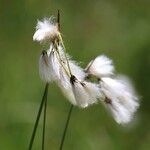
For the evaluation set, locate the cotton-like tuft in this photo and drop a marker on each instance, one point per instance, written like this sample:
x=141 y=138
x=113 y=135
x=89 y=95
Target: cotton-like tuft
x=45 y=70
x=94 y=92
x=61 y=72
x=68 y=93
x=74 y=66
x=77 y=70
x=84 y=87
x=85 y=93
x=46 y=30
x=123 y=101
x=101 y=66
x=81 y=96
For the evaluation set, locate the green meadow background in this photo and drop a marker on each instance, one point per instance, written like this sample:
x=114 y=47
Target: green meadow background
x=118 y=28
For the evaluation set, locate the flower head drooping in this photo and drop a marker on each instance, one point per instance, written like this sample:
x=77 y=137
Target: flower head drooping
x=45 y=70
x=97 y=82
x=56 y=65
x=74 y=92
x=46 y=30
x=85 y=93
x=101 y=66
x=120 y=98
x=118 y=93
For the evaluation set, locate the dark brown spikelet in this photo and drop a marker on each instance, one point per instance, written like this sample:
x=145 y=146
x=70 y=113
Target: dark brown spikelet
x=108 y=100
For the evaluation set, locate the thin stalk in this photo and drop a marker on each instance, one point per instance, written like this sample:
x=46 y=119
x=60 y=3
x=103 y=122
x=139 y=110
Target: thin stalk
x=65 y=54
x=66 y=127
x=44 y=123
x=59 y=59
x=60 y=37
x=58 y=20
x=38 y=117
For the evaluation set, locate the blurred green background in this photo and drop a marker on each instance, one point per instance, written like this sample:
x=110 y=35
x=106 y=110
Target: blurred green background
x=117 y=28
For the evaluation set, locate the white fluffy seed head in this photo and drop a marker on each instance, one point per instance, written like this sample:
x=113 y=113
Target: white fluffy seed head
x=67 y=91
x=46 y=30
x=124 y=102
x=120 y=113
x=74 y=66
x=94 y=92
x=55 y=63
x=45 y=69
x=60 y=67
x=101 y=66
x=80 y=94
x=49 y=66
x=85 y=93
x=61 y=73
x=77 y=70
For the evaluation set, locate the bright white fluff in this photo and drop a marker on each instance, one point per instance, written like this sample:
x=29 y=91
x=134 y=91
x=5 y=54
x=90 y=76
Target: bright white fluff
x=61 y=77
x=77 y=70
x=74 y=66
x=61 y=73
x=85 y=93
x=46 y=30
x=67 y=91
x=123 y=101
x=45 y=70
x=101 y=66
x=119 y=112
x=81 y=96
x=64 y=80
x=93 y=91
x=60 y=65
x=55 y=64
x=80 y=93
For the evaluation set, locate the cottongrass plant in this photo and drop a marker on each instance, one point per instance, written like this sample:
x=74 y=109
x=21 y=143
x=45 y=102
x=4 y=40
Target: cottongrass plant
x=115 y=92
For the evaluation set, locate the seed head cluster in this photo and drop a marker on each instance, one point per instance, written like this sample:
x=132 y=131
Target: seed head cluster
x=114 y=91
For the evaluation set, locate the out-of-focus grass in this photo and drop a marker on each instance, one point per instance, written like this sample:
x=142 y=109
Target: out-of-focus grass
x=120 y=29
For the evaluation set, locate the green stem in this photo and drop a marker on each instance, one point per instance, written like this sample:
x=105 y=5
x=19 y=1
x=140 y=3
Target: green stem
x=66 y=127
x=38 y=117
x=44 y=123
